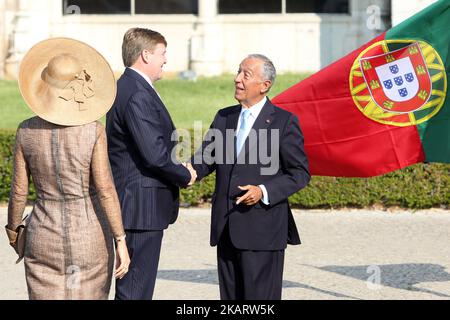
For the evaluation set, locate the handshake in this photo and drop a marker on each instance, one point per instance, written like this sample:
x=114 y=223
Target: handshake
x=192 y=172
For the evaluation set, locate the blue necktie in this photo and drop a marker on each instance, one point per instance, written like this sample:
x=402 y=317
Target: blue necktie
x=243 y=131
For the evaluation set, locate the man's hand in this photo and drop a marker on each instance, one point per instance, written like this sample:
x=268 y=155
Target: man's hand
x=251 y=197
x=192 y=172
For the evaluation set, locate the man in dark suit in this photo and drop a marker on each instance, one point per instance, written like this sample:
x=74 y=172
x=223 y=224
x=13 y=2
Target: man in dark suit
x=147 y=179
x=251 y=221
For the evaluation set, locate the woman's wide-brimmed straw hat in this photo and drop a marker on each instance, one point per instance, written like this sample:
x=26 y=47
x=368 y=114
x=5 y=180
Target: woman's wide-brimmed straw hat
x=67 y=82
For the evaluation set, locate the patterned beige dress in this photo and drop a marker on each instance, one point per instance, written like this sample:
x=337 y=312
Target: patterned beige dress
x=69 y=246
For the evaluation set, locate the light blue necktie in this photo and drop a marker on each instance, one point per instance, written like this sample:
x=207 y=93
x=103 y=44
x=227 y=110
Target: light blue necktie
x=243 y=131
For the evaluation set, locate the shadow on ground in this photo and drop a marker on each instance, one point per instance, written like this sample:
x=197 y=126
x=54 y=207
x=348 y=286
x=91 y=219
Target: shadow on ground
x=400 y=276
x=209 y=276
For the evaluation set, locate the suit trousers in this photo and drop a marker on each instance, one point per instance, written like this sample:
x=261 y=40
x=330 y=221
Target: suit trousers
x=144 y=248
x=247 y=274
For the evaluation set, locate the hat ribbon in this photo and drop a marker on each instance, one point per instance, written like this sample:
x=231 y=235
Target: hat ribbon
x=80 y=89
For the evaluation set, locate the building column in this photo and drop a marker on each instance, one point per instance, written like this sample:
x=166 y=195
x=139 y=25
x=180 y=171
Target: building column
x=401 y=12
x=3 y=38
x=207 y=43
x=30 y=26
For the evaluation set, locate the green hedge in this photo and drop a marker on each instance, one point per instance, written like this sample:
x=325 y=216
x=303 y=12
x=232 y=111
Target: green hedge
x=7 y=139
x=6 y=160
x=418 y=186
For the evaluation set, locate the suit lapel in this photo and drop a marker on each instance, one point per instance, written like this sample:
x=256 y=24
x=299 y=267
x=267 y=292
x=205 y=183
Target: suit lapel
x=232 y=121
x=133 y=74
x=264 y=120
x=233 y=117
x=162 y=106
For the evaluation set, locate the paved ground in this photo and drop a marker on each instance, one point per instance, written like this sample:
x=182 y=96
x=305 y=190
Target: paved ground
x=350 y=254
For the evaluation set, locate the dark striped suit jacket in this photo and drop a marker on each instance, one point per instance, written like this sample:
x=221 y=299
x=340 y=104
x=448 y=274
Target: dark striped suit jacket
x=139 y=130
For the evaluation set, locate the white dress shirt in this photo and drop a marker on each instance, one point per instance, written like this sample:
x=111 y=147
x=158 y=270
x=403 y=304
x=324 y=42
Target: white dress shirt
x=143 y=75
x=254 y=113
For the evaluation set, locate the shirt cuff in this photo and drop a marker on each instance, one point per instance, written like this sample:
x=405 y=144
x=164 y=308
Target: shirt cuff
x=265 y=198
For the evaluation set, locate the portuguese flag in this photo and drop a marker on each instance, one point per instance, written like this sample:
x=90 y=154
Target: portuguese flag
x=382 y=107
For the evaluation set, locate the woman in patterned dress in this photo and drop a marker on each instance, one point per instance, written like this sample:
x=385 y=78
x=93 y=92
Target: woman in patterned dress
x=69 y=250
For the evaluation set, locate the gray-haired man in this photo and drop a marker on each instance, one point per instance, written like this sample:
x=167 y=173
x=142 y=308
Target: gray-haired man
x=251 y=221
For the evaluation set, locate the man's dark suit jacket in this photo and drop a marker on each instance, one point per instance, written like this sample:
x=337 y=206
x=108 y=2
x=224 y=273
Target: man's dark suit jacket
x=258 y=227
x=139 y=130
